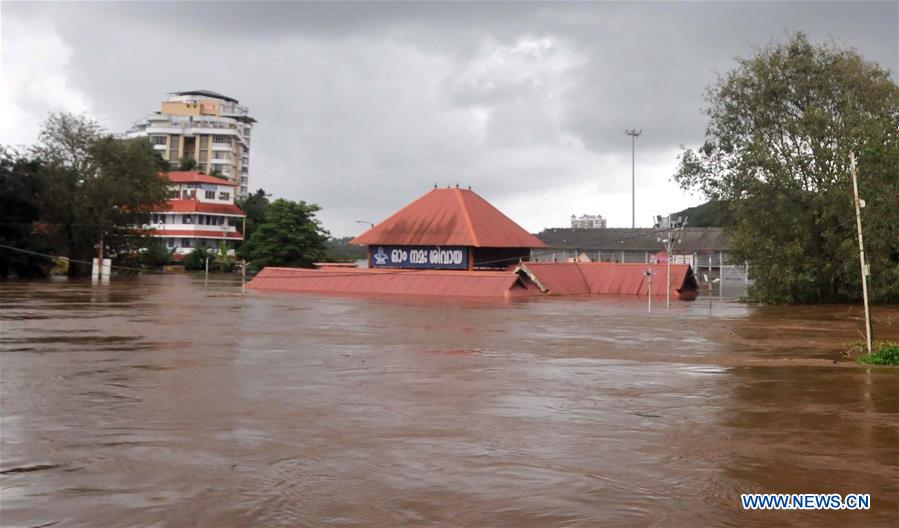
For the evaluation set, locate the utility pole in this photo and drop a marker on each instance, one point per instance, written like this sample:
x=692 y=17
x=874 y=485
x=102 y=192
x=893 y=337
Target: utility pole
x=866 y=268
x=669 y=234
x=634 y=134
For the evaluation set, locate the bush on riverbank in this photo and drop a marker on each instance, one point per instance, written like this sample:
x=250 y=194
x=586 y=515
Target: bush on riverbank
x=885 y=353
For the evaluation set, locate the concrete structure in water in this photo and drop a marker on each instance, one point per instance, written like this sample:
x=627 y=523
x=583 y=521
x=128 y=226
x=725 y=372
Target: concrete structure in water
x=453 y=243
x=207 y=127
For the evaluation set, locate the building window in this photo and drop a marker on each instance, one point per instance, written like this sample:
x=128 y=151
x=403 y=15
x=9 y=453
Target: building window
x=157 y=140
x=221 y=139
x=174 y=144
x=210 y=195
x=185 y=242
x=221 y=154
x=204 y=142
x=170 y=242
x=188 y=219
x=224 y=196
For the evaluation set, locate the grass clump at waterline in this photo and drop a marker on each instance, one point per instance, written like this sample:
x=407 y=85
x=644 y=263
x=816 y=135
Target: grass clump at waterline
x=885 y=353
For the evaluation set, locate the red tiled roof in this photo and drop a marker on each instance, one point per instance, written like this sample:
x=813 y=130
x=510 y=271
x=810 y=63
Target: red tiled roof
x=442 y=283
x=195 y=177
x=196 y=206
x=196 y=233
x=449 y=217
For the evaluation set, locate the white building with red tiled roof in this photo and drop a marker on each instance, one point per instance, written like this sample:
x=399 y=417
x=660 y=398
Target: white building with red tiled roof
x=200 y=212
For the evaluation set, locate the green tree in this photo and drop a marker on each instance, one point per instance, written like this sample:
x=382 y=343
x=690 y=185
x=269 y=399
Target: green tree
x=709 y=214
x=254 y=206
x=290 y=235
x=340 y=250
x=187 y=164
x=781 y=127
x=20 y=211
x=155 y=253
x=196 y=259
x=96 y=185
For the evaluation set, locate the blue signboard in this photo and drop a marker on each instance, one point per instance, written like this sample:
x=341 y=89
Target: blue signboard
x=430 y=257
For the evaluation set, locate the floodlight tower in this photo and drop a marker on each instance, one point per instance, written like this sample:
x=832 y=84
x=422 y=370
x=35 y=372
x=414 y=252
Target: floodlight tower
x=669 y=233
x=634 y=134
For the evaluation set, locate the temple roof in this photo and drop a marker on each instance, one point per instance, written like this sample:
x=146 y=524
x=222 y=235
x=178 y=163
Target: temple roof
x=449 y=217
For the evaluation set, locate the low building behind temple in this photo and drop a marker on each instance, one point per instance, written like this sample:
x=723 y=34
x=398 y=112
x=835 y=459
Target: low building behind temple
x=701 y=247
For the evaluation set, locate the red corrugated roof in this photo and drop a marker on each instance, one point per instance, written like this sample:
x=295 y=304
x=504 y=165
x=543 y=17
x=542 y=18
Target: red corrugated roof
x=196 y=206
x=497 y=284
x=195 y=177
x=556 y=278
x=196 y=233
x=449 y=217
x=609 y=278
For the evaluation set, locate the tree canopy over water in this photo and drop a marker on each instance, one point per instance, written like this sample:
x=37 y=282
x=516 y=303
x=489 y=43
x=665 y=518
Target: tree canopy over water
x=76 y=185
x=781 y=128
x=289 y=235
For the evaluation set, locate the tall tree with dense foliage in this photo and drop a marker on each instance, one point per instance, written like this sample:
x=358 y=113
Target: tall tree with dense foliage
x=20 y=211
x=254 y=206
x=92 y=185
x=290 y=235
x=781 y=128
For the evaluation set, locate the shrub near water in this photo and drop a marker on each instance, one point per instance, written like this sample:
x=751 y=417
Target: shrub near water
x=885 y=353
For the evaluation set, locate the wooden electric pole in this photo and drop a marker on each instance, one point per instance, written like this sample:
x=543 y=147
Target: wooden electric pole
x=866 y=268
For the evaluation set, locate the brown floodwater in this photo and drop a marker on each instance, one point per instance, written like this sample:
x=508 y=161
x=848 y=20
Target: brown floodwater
x=159 y=401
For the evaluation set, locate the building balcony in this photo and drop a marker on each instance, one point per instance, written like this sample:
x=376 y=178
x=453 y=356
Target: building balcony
x=224 y=232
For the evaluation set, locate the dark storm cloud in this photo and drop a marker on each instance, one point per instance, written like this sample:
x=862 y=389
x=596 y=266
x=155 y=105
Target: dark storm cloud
x=363 y=106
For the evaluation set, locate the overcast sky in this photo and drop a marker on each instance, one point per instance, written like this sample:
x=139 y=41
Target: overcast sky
x=363 y=107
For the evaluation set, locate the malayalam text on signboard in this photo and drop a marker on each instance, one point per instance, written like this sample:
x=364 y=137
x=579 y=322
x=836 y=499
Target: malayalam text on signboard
x=433 y=257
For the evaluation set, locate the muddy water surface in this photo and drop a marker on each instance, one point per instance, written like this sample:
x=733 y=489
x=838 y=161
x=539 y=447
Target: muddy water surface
x=160 y=402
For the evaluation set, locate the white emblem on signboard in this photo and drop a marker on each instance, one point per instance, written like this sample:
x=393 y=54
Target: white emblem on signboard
x=380 y=257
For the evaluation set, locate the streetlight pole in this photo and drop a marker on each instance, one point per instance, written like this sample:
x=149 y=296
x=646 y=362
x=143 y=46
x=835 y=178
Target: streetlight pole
x=634 y=134
x=365 y=222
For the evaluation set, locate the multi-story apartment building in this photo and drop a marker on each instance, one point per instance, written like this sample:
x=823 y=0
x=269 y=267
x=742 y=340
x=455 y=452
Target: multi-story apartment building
x=210 y=128
x=588 y=222
x=200 y=212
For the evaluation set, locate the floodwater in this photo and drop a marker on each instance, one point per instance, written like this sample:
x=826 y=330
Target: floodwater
x=161 y=402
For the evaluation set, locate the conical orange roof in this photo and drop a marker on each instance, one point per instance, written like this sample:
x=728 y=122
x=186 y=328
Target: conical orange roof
x=449 y=217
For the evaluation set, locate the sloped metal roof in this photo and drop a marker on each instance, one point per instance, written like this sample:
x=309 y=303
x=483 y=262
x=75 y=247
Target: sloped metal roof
x=196 y=206
x=449 y=217
x=529 y=279
x=609 y=278
x=639 y=239
x=438 y=283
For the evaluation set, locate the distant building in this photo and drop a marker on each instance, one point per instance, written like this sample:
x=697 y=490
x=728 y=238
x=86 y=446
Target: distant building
x=210 y=128
x=701 y=247
x=588 y=222
x=200 y=212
